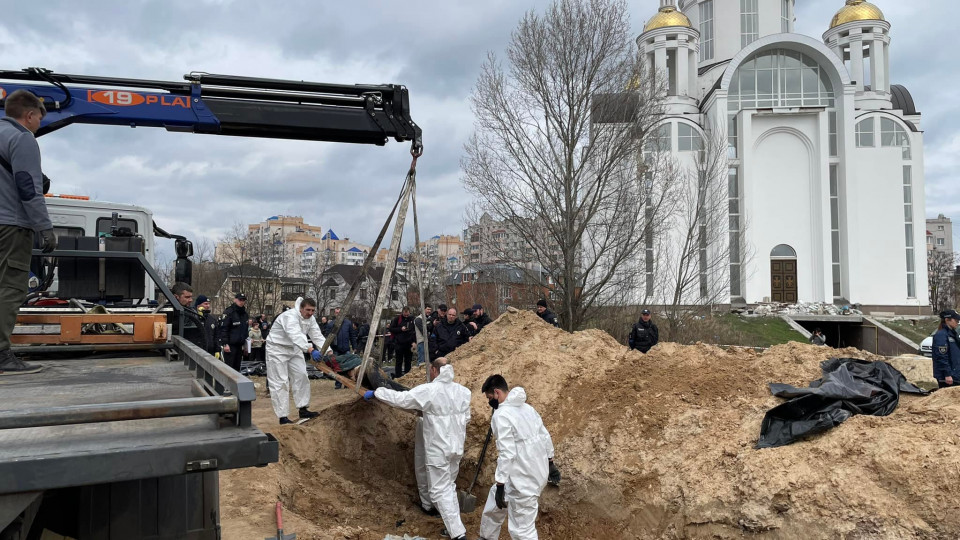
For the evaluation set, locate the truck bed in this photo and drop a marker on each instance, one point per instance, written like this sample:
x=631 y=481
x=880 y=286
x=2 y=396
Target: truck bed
x=76 y=454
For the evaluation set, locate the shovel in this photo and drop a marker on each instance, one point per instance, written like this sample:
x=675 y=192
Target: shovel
x=468 y=501
x=280 y=535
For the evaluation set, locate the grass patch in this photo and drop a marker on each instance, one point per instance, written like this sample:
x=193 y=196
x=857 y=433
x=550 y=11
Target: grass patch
x=915 y=330
x=758 y=331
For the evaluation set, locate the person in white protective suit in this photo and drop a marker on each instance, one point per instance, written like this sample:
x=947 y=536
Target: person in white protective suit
x=286 y=343
x=439 y=440
x=524 y=466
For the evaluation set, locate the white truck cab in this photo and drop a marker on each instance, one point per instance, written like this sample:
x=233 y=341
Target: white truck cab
x=78 y=216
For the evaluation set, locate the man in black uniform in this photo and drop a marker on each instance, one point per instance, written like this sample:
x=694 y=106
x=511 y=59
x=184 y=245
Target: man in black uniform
x=546 y=314
x=209 y=324
x=645 y=334
x=234 y=329
x=404 y=335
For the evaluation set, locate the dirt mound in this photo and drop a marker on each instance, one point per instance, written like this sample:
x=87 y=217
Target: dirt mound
x=650 y=446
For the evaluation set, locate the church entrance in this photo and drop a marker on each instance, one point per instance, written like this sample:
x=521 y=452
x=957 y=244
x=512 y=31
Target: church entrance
x=783 y=274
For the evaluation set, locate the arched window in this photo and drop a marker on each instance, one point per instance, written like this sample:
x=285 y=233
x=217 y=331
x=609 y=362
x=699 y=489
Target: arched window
x=659 y=140
x=892 y=135
x=780 y=78
x=783 y=251
x=865 y=133
x=688 y=138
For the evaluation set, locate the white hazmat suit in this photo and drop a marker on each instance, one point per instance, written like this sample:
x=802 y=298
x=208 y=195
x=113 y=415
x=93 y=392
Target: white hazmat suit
x=286 y=344
x=525 y=449
x=439 y=441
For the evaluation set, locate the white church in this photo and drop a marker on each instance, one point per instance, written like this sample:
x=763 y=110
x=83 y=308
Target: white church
x=825 y=153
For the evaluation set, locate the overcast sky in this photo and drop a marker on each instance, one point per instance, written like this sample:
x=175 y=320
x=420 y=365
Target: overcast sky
x=202 y=185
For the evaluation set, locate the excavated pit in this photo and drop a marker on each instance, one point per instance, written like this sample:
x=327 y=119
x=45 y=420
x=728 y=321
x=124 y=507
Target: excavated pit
x=650 y=446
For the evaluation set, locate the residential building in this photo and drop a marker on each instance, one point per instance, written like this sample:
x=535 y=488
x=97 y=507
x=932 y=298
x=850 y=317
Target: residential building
x=492 y=241
x=940 y=234
x=266 y=292
x=337 y=280
x=826 y=153
x=497 y=286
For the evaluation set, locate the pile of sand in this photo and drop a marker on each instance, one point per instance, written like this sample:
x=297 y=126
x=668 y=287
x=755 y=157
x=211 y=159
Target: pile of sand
x=650 y=446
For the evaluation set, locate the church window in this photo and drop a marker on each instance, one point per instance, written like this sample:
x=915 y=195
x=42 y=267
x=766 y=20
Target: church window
x=834 y=143
x=688 y=139
x=865 y=134
x=660 y=140
x=706 y=30
x=892 y=135
x=835 y=228
x=785 y=16
x=908 y=230
x=780 y=78
x=733 y=193
x=732 y=136
x=749 y=22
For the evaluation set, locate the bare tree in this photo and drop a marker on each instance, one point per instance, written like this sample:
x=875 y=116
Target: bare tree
x=557 y=145
x=941 y=266
x=699 y=239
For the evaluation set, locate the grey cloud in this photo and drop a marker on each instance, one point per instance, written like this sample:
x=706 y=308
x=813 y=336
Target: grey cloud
x=203 y=185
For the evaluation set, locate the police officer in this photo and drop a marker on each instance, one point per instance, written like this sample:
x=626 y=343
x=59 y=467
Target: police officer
x=644 y=334
x=946 y=350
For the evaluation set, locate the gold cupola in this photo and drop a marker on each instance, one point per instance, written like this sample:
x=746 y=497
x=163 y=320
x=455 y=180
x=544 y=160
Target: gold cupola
x=857 y=10
x=666 y=17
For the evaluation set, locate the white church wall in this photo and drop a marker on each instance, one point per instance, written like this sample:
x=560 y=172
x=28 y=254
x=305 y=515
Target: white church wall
x=782 y=196
x=880 y=276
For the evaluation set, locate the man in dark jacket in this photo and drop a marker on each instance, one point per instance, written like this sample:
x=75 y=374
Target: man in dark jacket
x=346 y=340
x=546 y=314
x=23 y=212
x=946 y=350
x=480 y=317
x=209 y=324
x=404 y=335
x=193 y=329
x=234 y=330
x=448 y=335
x=644 y=334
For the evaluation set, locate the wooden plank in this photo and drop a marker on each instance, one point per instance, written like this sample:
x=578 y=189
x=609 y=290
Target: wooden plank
x=143 y=331
x=70 y=330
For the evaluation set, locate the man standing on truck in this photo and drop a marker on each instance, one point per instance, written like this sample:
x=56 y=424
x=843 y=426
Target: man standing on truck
x=233 y=331
x=192 y=322
x=287 y=342
x=22 y=212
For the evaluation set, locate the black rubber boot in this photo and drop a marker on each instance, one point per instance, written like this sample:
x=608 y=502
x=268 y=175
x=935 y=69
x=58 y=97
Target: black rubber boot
x=307 y=413
x=285 y=420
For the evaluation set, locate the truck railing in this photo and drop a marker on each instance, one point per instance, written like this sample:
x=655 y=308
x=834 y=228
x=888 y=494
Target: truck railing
x=217 y=389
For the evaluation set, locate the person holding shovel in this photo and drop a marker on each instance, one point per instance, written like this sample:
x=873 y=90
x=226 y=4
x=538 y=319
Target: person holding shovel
x=441 y=431
x=524 y=465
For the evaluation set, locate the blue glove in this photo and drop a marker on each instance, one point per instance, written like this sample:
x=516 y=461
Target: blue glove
x=368 y=395
x=316 y=355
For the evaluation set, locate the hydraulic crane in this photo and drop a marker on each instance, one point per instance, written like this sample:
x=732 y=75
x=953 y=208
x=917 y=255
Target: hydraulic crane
x=133 y=444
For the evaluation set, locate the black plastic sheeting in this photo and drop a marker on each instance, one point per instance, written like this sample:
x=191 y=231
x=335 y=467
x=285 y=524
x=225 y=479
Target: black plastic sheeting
x=848 y=387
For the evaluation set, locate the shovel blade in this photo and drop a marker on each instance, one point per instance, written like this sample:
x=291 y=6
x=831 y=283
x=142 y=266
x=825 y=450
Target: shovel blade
x=281 y=536
x=468 y=502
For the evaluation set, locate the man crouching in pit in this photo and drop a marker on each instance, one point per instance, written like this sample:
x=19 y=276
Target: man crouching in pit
x=285 y=365
x=440 y=434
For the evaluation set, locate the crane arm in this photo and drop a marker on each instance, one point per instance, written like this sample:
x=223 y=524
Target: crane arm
x=224 y=105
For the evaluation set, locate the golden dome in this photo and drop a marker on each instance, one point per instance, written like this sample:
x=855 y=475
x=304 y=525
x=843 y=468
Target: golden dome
x=667 y=16
x=857 y=10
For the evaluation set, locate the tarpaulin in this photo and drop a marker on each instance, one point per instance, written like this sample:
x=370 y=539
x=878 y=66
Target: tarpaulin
x=848 y=387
